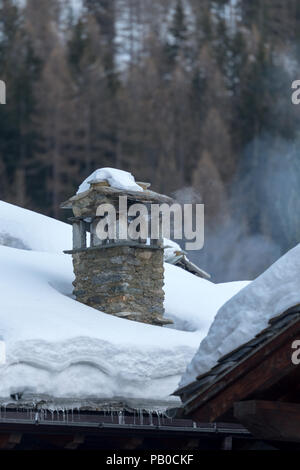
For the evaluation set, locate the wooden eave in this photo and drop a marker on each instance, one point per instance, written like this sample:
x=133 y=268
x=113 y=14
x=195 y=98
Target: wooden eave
x=145 y=196
x=270 y=420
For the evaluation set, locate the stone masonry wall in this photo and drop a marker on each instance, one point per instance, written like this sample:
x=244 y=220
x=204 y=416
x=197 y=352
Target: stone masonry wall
x=126 y=281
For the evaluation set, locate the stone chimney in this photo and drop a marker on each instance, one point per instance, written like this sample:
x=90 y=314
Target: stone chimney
x=124 y=278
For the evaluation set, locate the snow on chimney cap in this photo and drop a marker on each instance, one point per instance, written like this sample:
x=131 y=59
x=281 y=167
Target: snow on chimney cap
x=118 y=179
x=109 y=182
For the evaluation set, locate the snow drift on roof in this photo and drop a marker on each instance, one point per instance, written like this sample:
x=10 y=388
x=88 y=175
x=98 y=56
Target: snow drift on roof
x=21 y=228
x=62 y=348
x=248 y=312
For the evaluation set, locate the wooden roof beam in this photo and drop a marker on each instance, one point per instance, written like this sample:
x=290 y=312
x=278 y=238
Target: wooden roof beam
x=270 y=420
x=9 y=441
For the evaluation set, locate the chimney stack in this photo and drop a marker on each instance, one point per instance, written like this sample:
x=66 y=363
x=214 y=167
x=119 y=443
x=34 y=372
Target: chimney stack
x=124 y=278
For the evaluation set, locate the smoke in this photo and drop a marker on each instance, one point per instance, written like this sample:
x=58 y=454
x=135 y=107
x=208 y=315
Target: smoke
x=258 y=216
x=264 y=217
x=230 y=254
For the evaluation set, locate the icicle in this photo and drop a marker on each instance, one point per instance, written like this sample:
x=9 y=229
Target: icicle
x=150 y=417
x=141 y=417
x=120 y=417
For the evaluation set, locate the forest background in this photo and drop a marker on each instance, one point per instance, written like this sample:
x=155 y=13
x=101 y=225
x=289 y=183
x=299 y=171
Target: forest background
x=193 y=96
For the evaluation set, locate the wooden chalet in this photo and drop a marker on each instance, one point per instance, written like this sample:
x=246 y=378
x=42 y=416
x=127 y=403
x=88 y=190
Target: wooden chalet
x=257 y=385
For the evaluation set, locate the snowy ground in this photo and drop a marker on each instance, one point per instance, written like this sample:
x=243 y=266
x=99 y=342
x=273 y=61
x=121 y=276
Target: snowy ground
x=248 y=312
x=59 y=347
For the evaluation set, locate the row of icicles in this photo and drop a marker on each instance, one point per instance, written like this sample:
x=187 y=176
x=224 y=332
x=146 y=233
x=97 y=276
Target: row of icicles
x=140 y=417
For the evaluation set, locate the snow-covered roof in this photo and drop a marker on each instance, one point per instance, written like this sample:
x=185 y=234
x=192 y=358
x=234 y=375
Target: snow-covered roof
x=269 y=351
x=248 y=313
x=61 y=348
x=21 y=228
x=173 y=254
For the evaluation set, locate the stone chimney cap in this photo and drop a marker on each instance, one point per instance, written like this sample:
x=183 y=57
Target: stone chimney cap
x=98 y=190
